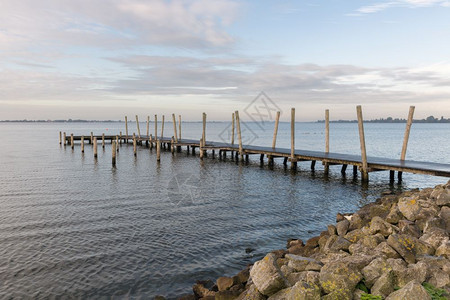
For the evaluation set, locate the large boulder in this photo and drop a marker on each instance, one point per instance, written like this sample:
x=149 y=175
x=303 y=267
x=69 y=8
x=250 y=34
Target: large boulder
x=409 y=207
x=342 y=227
x=443 y=249
x=384 y=249
x=374 y=270
x=378 y=225
x=267 y=276
x=413 y=290
x=384 y=285
x=224 y=283
x=409 y=247
x=300 y=263
x=340 y=278
x=251 y=293
x=435 y=237
x=300 y=291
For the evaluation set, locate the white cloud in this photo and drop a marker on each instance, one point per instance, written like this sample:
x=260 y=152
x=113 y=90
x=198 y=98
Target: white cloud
x=400 y=3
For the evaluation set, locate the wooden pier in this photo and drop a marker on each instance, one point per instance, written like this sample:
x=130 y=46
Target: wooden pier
x=362 y=163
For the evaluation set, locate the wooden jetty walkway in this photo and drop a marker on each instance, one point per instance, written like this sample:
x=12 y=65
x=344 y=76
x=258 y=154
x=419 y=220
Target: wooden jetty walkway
x=363 y=163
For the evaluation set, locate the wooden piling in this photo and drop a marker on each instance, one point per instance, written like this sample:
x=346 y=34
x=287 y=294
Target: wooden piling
x=293 y=160
x=201 y=148
x=103 y=141
x=275 y=131
x=148 y=125
x=60 y=138
x=134 y=145
x=126 y=131
x=364 y=167
x=326 y=165
x=204 y=129
x=82 y=144
x=175 y=135
x=150 y=139
x=71 y=141
x=95 y=148
x=65 y=138
x=137 y=125
x=172 y=145
x=113 y=147
x=162 y=127
x=179 y=127
x=406 y=138
x=92 y=138
x=156 y=127
x=120 y=137
x=158 y=150
x=117 y=143
x=238 y=127
x=232 y=129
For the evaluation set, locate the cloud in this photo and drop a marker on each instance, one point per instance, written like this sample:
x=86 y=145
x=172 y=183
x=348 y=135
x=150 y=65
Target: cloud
x=374 y=8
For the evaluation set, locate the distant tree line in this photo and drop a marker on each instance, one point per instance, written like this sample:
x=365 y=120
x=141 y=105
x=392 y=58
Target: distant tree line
x=430 y=119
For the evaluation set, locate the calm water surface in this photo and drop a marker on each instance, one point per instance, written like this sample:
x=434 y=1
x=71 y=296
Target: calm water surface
x=72 y=226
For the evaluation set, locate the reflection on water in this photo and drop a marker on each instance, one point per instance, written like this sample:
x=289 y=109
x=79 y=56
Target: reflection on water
x=72 y=225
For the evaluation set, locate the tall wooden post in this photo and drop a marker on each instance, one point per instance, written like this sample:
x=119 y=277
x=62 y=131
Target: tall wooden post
x=327 y=139
x=117 y=143
x=95 y=148
x=92 y=138
x=238 y=127
x=65 y=138
x=137 y=124
x=71 y=141
x=158 y=150
x=201 y=148
x=204 y=129
x=60 y=137
x=275 y=131
x=150 y=140
x=232 y=128
x=134 y=145
x=156 y=127
x=293 y=160
x=126 y=130
x=172 y=145
x=406 y=138
x=103 y=141
x=120 y=137
x=162 y=128
x=179 y=127
x=364 y=167
x=148 y=125
x=82 y=144
x=174 y=120
x=113 y=147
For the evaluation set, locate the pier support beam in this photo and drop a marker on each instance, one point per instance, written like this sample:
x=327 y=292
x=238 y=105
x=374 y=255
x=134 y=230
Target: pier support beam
x=82 y=144
x=95 y=148
x=65 y=139
x=158 y=150
x=113 y=147
x=364 y=167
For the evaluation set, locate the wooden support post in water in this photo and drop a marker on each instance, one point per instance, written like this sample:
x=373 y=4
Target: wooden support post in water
x=175 y=136
x=391 y=176
x=293 y=160
x=117 y=143
x=150 y=139
x=103 y=141
x=204 y=129
x=343 y=169
x=71 y=141
x=172 y=145
x=326 y=165
x=82 y=144
x=275 y=131
x=364 y=167
x=162 y=127
x=65 y=138
x=134 y=146
x=60 y=138
x=232 y=128
x=120 y=137
x=137 y=125
x=238 y=123
x=201 y=148
x=95 y=148
x=179 y=127
x=148 y=125
x=313 y=165
x=355 y=171
x=113 y=147
x=158 y=150
x=156 y=127
x=406 y=137
x=92 y=138
x=126 y=131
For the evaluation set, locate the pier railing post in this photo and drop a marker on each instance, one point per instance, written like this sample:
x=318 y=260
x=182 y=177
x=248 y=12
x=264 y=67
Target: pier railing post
x=95 y=148
x=82 y=144
x=406 y=137
x=293 y=159
x=126 y=131
x=148 y=125
x=175 y=136
x=364 y=167
x=238 y=127
x=326 y=165
x=113 y=147
x=137 y=125
x=201 y=148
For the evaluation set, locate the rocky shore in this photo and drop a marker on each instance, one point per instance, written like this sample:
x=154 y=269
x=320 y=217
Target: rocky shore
x=395 y=248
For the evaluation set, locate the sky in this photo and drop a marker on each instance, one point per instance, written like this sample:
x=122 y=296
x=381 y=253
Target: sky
x=85 y=59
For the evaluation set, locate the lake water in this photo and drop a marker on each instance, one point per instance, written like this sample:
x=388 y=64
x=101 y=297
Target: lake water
x=74 y=226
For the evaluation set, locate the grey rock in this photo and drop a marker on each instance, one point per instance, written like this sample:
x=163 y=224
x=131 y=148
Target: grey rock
x=251 y=293
x=339 y=276
x=394 y=215
x=342 y=227
x=409 y=207
x=378 y=225
x=408 y=247
x=413 y=290
x=374 y=270
x=384 y=285
x=267 y=276
x=443 y=250
x=435 y=237
x=386 y=250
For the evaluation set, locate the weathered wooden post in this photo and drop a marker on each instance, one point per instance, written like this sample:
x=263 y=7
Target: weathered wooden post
x=95 y=148
x=148 y=125
x=232 y=128
x=364 y=167
x=293 y=159
x=134 y=145
x=117 y=143
x=175 y=128
x=179 y=127
x=65 y=138
x=60 y=138
x=137 y=124
x=71 y=141
x=126 y=130
x=201 y=147
x=326 y=165
x=92 y=138
x=151 y=141
x=406 y=138
x=238 y=124
x=172 y=145
x=120 y=137
x=158 y=150
x=82 y=144
x=113 y=147
x=275 y=131
x=162 y=128
x=156 y=127
x=204 y=132
x=103 y=141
